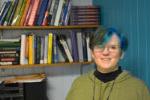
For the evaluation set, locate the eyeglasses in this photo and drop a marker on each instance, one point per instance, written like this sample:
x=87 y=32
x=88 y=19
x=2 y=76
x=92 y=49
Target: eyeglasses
x=110 y=48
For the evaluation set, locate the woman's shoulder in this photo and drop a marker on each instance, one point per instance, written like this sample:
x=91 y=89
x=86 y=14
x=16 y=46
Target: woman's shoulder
x=133 y=81
x=84 y=78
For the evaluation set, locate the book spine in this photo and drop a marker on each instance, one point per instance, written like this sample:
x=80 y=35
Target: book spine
x=9 y=55
x=6 y=9
x=42 y=12
x=22 y=51
x=50 y=44
x=45 y=49
x=33 y=13
x=13 y=12
x=25 y=12
x=60 y=7
x=45 y=19
x=31 y=49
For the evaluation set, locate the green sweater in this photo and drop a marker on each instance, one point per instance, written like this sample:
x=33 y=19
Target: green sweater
x=125 y=87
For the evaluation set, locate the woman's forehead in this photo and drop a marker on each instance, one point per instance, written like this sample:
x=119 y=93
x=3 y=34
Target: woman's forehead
x=114 y=40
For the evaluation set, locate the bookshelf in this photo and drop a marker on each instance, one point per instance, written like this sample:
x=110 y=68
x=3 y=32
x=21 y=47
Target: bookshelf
x=15 y=28
x=21 y=19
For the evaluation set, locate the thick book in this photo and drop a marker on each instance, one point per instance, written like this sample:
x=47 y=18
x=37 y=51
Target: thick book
x=9 y=63
x=58 y=13
x=62 y=40
x=38 y=49
x=42 y=10
x=55 y=49
x=9 y=59
x=66 y=13
x=9 y=55
x=21 y=12
x=47 y=14
x=25 y=12
x=50 y=48
x=80 y=46
x=8 y=13
x=13 y=12
x=17 y=12
x=45 y=48
x=54 y=11
x=6 y=9
x=33 y=13
x=31 y=49
x=28 y=13
x=75 y=47
x=2 y=9
x=23 y=48
x=51 y=12
x=42 y=50
x=89 y=58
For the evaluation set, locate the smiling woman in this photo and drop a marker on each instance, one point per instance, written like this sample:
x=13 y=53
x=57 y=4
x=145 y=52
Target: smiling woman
x=108 y=81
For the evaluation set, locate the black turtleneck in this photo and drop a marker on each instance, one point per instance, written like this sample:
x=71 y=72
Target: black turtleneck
x=105 y=77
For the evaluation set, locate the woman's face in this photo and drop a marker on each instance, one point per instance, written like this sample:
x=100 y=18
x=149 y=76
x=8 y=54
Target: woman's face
x=107 y=57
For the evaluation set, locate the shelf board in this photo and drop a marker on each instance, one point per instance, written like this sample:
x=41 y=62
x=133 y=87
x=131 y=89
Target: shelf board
x=43 y=65
x=47 y=27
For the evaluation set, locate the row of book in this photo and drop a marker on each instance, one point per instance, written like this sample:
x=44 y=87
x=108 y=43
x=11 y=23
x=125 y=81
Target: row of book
x=9 y=51
x=34 y=12
x=85 y=15
x=47 y=13
x=47 y=49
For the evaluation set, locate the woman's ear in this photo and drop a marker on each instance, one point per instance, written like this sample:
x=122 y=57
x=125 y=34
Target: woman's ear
x=122 y=55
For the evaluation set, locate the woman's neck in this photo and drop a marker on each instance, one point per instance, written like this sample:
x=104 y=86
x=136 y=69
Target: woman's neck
x=105 y=77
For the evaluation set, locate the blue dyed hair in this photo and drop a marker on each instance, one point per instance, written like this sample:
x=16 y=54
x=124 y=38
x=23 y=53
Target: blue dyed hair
x=102 y=36
x=122 y=39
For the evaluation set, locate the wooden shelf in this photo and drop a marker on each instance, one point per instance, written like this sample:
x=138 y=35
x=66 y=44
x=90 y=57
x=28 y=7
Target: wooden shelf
x=47 y=27
x=44 y=65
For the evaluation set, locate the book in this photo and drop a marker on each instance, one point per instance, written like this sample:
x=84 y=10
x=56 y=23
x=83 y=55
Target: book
x=9 y=55
x=38 y=49
x=28 y=13
x=80 y=46
x=42 y=10
x=45 y=49
x=24 y=78
x=25 y=12
x=17 y=12
x=23 y=48
x=89 y=58
x=58 y=13
x=62 y=57
x=8 y=13
x=47 y=16
x=21 y=12
x=33 y=13
x=64 y=44
x=54 y=11
x=31 y=49
x=9 y=59
x=6 y=9
x=66 y=13
x=9 y=63
x=75 y=47
x=42 y=50
x=2 y=9
x=55 y=49
x=50 y=48
x=13 y=12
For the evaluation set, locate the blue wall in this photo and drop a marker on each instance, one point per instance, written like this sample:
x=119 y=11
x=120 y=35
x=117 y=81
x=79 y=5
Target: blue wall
x=133 y=19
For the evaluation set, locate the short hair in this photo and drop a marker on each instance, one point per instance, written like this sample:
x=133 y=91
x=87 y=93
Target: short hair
x=103 y=35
